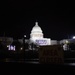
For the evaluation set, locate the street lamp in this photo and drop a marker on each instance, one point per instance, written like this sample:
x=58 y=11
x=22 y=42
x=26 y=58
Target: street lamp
x=24 y=42
x=24 y=45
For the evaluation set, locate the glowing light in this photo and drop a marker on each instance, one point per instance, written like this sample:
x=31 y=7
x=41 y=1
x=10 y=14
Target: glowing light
x=24 y=35
x=66 y=41
x=43 y=42
x=10 y=47
x=7 y=45
x=73 y=37
x=21 y=48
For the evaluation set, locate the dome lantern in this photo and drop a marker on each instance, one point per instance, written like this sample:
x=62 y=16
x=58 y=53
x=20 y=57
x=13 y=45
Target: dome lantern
x=36 y=23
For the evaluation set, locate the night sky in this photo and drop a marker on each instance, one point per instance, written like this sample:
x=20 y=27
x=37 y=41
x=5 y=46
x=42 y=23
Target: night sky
x=57 y=19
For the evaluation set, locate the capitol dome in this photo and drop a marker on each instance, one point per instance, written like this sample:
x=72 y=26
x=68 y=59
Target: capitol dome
x=36 y=32
x=36 y=28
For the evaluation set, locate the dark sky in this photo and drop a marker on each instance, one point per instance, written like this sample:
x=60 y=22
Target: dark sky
x=57 y=19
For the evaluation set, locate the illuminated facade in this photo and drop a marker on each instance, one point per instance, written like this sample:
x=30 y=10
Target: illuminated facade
x=36 y=33
x=37 y=36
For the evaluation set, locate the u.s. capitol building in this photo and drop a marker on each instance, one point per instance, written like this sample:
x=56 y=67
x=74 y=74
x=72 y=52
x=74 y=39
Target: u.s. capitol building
x=37 y=36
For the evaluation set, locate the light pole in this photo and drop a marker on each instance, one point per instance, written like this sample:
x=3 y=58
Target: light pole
x=24 y=42
x=24 y=45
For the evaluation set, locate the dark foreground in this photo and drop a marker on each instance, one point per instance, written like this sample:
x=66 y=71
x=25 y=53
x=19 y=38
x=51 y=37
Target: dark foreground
x=33 y=67
x=16 y=68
